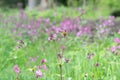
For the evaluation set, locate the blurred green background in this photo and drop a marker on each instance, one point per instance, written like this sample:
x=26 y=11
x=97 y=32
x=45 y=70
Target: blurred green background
x=94 y=8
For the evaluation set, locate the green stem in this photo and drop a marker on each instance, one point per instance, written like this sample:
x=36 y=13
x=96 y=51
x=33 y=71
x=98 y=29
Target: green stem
x=61 y=72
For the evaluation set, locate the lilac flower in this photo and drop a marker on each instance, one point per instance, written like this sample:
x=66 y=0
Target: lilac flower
x=44 y=67
x=34 y=59
x=118 y=47
x=79 y=33
x=117 y=40
x=83 y=11
x=17 y=69
x=56 y=29
x=63 y=48
x=113 y=49
x=59 y=40
x=119 y=31
x=43 y=61
x=47 y=20
x=52 y=37
x=38 y=74
x=90 y=56
x=87 y=30
x=97 y=64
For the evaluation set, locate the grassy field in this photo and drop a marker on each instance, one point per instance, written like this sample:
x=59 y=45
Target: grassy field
x=58 y=44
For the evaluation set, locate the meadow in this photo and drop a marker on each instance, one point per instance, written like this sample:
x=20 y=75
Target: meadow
x=59 y=45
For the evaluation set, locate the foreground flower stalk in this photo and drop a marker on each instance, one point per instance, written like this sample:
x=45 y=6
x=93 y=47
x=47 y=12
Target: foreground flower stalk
x=61 y=78
x=17 y=71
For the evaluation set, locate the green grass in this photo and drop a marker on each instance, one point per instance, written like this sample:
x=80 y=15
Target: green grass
x=77 y=51
x=70 y=12
x=79 y=68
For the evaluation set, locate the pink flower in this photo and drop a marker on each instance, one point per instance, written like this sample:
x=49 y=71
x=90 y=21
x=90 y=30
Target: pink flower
x=79 y=33
x=117 y=40
x=63 y=48
x=47 y=20
x=34 y=59
x=17 y=69
x=44 y=67
x=113 y=49
x=118 y=47
x=38 y=74
x=83 y=11
x=43 y=61
x=52 y=37
x=119 y=31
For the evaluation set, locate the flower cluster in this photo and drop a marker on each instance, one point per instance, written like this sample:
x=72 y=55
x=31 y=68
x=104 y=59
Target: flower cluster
x=105 y=26
x=17 y=69
x=115 y=49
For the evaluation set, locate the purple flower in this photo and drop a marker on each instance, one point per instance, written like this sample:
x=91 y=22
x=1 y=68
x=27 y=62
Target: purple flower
x=117 y=40
x=63 y=48
x=90 y=56
x=38 y=74
x=79 y=33
x=43 y=61
x=113 y=49
x=83 y=11
x=97 y=64
x=17 y=69
x=34 y=59
x=52 y=37
x=119 y=31
x=118 y=47
x=47 y=20
x=44 y=67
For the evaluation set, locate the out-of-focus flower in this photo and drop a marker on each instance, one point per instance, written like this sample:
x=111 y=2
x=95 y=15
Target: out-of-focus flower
x=117 y=40
x=43 y=61
x=44 y=67
x=90 y=56
x=67 y=60
x=60 y=56
x=34 y=59
x=17 y=69
x=47 y=20
x=97 y=64
x=119 y=31
x=20 y=42
x=38 y=74
x=63 y=48
x=83 y=11
x=118 y=47
x=79 y=33
x=52 y=37
x=113 y=49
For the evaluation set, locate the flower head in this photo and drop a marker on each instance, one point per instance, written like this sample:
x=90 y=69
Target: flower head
x=119 y=31
x=97 y=64
x=44 y=67
x=113 y=49
x=117 y=40
x=38 y=74
x=43 y=61
x=17 y=69
x=52 y=37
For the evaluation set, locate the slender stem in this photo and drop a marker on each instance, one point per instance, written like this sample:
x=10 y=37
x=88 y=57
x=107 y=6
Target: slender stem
x=18 y=77
x=61 y=72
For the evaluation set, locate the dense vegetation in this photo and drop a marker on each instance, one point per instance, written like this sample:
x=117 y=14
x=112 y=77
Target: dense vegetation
x=59 y=44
